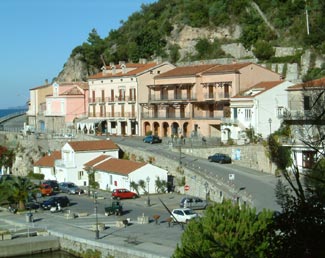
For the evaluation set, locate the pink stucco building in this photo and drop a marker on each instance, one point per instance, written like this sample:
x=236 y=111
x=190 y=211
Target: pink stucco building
x=190 y=101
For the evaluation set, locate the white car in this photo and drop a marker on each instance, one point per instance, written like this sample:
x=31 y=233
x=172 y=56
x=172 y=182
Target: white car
x=183 y=215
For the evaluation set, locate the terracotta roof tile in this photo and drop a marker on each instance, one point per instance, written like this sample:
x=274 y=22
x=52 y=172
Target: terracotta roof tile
x=93 y=145
x=73 y=91
x=48 y=160
x=314 y=84
x=227 y=68
x=96 y=160
x=185 y=71
x=119 y=166
x=138 y=68
x=263 y=86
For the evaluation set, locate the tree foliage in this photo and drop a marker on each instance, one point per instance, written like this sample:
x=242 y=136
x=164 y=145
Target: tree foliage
x=145 y=33
x=226 y=230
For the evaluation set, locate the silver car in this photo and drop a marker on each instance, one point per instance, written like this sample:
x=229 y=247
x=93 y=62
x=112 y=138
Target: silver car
x=194 y=203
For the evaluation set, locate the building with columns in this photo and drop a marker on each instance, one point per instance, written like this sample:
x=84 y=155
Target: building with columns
x=190 y=101
x=114 y=97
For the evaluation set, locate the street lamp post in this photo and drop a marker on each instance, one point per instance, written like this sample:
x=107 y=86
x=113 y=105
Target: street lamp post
x=148 y=181
x=270 y=122
x=96 y=214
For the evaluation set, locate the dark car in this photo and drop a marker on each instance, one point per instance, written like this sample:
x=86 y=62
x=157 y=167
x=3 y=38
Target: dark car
x=152 y=139
x=53 y=183
x=53 y=202
x=70 y=188
x=219 y=158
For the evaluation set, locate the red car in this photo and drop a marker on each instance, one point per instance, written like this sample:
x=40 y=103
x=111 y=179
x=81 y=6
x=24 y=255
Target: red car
x=122 y=193
x=46 y=189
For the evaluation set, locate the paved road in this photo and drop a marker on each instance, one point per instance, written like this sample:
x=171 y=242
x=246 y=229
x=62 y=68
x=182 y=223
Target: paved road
x=148 y=240
x=260 y=186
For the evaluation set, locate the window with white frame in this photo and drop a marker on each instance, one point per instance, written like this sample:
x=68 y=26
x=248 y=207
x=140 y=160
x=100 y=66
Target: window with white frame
x=248 y=114
x=279 y=112
x=80 y=175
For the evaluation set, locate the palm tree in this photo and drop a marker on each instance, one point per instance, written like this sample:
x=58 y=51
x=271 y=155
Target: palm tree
x=21 y=189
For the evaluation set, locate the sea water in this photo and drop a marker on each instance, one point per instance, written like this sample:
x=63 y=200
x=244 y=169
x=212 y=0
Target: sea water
x=8 y=111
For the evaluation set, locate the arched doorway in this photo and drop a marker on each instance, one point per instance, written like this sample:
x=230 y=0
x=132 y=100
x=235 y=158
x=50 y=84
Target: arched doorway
x=165 y=129
x=156 y=128
x=146 y=127
x=185 y=129
x=175 y=129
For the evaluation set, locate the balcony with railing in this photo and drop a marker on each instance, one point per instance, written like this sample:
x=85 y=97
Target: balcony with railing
x=64 y=164
x=165 y=116
x=172 y=98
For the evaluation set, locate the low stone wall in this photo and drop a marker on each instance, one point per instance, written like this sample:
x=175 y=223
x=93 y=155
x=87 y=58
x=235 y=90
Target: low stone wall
x=31 y=245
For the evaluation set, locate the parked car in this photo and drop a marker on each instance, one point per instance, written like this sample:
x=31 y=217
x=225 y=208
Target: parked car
x=219 y=158
x=70 y=188
x=184 y=215
x=152 y=139
x=194 y=203
x=32 y=205
x=122 y=193
x=46 y=189
x=54 y=201
x=53 y=183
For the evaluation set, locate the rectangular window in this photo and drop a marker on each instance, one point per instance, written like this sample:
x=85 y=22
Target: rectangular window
x=308 y=159
x=306 y=103
x=80 y=175
x=279 y=112
x=248 y=114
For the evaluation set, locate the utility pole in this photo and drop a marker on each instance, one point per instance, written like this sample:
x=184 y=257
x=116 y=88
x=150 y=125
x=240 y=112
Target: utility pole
x=307 y=18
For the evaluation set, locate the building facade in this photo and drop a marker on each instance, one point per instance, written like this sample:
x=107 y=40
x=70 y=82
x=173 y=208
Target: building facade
x=191 y=101
x=114 y=97
x=259 y=109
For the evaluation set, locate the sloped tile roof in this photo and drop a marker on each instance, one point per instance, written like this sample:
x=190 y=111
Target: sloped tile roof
x=48 y=160
x=185 y=71
x=226 y=68
x=96 y=160
x=73 y=91
x=138 y=68
x=314 y=84
x=93 y=145
x=263 y=86
x=119 y=166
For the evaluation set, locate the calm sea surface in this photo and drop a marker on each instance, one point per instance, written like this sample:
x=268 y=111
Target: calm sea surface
x=4 y=112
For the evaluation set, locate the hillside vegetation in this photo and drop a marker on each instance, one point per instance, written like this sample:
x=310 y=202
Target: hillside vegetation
x=264 y=24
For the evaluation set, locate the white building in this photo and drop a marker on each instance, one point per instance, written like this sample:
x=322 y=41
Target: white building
x=45 y=165
x=74 y=154
x=111 y=173
x=260 y=108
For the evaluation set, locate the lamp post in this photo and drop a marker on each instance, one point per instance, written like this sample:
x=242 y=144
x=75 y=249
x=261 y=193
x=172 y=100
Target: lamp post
x=206 y=185
x=96 y=208
x=270 y=122
x=148 y=181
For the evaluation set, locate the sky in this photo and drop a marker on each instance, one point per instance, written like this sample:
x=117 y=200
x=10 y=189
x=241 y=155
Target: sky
x=38 y=36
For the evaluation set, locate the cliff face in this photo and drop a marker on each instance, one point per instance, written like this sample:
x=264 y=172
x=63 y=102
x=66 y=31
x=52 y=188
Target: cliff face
x=75 y=70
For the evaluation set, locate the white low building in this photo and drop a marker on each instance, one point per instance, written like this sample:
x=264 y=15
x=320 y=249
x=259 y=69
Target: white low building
x=259 y=108
x=111 y=173
x=75 y=154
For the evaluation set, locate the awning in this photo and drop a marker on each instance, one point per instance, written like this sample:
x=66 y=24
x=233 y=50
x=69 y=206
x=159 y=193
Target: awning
x=89 y=123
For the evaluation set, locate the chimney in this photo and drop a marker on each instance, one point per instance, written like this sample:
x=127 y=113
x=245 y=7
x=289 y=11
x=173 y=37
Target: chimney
x=142 y=61
x=46 y=81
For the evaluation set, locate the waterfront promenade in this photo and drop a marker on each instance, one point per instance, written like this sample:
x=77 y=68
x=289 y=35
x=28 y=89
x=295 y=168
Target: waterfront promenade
x=77 y=233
